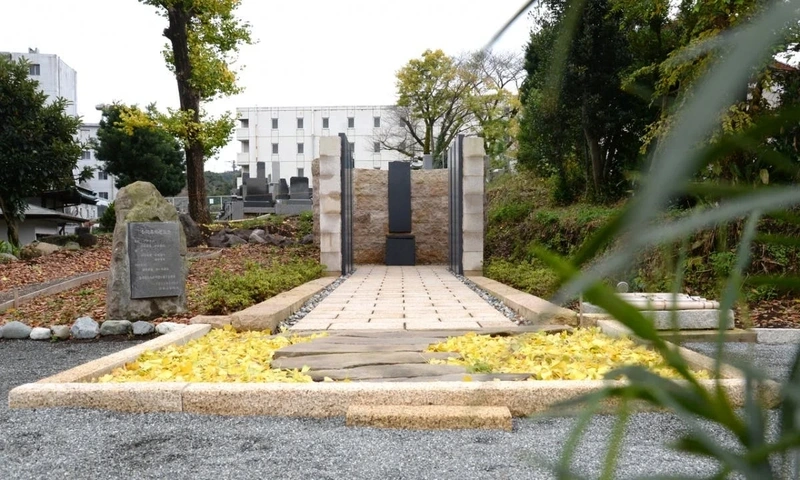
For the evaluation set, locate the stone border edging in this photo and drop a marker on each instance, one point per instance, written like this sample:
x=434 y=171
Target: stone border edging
x=777 y=336
x=53 y=289
x=268 y=314
x=530 y=307
x=101 y=366
x=320 y=399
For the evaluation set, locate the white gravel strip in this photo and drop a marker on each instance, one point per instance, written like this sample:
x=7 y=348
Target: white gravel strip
x=312 y=303
x=492 y=300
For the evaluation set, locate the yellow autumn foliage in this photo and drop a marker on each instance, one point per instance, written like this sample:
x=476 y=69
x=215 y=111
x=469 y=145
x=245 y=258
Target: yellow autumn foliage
x=583 y=354
x=221 y=356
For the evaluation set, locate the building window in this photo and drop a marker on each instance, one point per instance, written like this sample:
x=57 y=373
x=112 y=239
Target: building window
x=34 y=69
x=301 y=148
x=325 y=123
x=274 y=148
x=351 y=122
x=244 y=123
x=245 y=146
x=376 y=122
x=353 y=147
x=103 y=195
x=376 y=147
x=300 y=172
x=102 y=175
x=86 y=155
x=299 y=123
x=274 y=123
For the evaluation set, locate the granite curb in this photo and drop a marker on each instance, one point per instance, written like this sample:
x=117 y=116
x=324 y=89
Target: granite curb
x=53 y=289
x=529 y=307
x=73 y=388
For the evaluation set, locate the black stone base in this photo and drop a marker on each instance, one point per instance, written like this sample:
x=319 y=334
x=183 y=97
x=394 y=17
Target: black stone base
x=401 y=249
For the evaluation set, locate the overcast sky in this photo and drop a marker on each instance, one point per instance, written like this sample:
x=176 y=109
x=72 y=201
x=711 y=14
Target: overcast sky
x=309 y=52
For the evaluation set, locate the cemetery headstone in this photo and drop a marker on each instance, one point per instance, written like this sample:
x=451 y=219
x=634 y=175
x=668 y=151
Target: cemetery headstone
x=283 y=190
x=298 y=188
x=400 y=242
x=148 y=258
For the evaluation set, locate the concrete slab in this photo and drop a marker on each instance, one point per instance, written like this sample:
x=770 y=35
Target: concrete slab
x=429 y=417
x=339 y=361
x=374 y=372
x=313 y=348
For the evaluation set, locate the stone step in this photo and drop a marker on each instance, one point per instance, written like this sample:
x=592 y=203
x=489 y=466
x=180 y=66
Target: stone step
x=429 y=417
x=376 y=372
x=327 y=348
x=351 y=360
x=467 y=377
x=394 y=339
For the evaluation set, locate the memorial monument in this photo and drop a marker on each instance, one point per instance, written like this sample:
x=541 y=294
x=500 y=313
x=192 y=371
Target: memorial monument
x=148 y=257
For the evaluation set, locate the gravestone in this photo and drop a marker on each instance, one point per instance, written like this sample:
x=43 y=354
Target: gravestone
x=256 y=191
x=283 y=190
x=298 y=188
x=400 y=242
x=148 y=268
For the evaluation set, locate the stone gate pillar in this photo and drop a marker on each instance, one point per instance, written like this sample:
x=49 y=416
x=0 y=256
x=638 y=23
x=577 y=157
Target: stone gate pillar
x=473 y=202
x=330 y=204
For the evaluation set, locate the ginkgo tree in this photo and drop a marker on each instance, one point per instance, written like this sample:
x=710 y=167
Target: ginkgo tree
x=204 y=37
x=440 y=96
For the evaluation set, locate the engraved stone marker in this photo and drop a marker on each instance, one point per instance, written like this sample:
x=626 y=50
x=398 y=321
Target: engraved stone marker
x=147 y=278
x=155 y=259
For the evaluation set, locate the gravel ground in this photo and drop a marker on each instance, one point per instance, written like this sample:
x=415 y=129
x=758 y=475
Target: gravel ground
x=80 y=444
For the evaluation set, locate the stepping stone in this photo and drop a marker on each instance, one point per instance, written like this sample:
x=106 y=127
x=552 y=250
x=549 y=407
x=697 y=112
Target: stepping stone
x=473 y=377
x=429 y=417
x=351 y=360
x=319 y=348
x=386 y=340
x=378 y=372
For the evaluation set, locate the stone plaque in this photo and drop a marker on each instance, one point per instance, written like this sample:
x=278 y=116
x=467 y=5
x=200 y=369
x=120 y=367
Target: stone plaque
x=154 y=252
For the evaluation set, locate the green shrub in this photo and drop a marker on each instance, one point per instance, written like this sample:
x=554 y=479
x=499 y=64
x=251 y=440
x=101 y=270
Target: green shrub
x=306 y=223
x=6 y=247
x=510 y=212
x=109 y=219
x=228 y=292
x=531 y=277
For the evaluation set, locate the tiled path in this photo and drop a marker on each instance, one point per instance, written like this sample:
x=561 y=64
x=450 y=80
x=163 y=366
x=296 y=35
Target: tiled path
x=402 y=298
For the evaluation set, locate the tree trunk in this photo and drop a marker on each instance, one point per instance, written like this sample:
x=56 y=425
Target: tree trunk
x=426 y=149
x=177 y=33
x=12 y=226
x=595 y=156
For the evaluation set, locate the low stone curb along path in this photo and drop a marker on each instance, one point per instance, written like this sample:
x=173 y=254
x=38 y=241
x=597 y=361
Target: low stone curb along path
x=402 y=298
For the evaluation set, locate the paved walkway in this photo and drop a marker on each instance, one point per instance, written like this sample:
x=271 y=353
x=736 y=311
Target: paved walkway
x=402 y=298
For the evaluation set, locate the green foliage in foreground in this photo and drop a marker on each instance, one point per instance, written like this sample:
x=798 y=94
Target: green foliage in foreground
x=727 y=43
x=229 y=292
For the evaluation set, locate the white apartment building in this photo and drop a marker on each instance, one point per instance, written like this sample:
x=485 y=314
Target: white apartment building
x=101 y=182
x=286 y=139
x=56 y=78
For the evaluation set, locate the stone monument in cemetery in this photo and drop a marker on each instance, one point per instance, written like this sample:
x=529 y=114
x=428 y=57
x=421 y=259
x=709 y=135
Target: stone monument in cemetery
x=148 y=257
x=400 y=242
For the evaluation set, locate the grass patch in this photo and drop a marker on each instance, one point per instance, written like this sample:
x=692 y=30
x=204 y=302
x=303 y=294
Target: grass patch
x=232 y=291
x=221 y=356
x=530 y=277
x=583 y=354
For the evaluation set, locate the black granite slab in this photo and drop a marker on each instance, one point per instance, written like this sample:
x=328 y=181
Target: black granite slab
x=399 y=197
x=154 y=255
